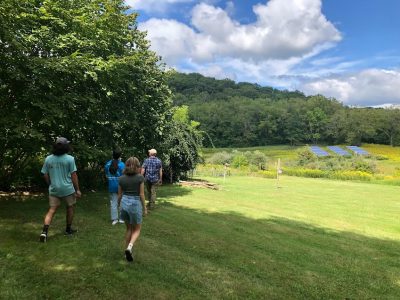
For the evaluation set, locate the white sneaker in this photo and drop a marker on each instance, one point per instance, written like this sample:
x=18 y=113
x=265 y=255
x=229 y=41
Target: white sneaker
x=121 y=221
x=43 y=237
x=114 y=222
x=129 y=254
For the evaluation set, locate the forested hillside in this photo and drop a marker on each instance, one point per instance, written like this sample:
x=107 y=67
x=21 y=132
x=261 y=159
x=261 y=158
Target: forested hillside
x=243 y=114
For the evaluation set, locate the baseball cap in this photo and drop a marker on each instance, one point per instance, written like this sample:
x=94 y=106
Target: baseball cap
x=62 y=140
x=152 y=151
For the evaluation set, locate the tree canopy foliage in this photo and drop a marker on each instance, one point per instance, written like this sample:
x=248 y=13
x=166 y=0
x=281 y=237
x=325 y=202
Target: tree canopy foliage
x=243 y=114
x=80 y=69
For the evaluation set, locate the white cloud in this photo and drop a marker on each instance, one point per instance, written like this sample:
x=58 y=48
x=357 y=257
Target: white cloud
x=173 y=40
x=371 y=87
x=284 y=29
x=279 y=49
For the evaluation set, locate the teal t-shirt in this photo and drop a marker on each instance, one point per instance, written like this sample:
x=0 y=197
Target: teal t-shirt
x=59 y=169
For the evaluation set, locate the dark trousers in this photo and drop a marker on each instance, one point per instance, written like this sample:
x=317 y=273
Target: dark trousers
x=151 y=193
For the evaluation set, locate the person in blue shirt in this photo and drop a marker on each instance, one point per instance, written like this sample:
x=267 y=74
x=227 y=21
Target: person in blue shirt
x=114 y=169
x=59 y=172
x=153 y=172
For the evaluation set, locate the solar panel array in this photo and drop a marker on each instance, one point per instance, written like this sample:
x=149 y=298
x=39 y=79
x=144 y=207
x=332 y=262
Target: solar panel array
x=357 y=150
x=339 y=150
x=319 y=151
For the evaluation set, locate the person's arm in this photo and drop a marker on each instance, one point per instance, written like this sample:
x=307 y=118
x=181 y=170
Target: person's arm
x=144 y=166
x=45 y=173
x=47 y=178
x=119 y=195
x=160 y=181
x=141 y=193
x=75 y=182
x=143 y=169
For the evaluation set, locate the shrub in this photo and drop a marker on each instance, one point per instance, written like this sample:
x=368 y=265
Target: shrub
x=351 y=175
x=364 y=166
x=305 y=173
x=305 y=156
x=381 y=157
x=266 y=174
x=257 y=158
x=30 y=177
x=240 y=160
x=220 y=158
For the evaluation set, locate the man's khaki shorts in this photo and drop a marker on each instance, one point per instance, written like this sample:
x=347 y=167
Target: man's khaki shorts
x=56 y=201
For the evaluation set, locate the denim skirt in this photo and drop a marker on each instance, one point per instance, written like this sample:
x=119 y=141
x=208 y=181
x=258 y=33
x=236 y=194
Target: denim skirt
x=131 y=209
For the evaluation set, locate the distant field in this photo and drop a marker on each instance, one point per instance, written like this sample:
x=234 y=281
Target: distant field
x=307 y=239
x=274 y=152
x=387 y=165
x=392 y=153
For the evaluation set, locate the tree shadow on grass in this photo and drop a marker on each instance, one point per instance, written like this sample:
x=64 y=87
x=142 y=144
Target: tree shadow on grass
x=169 y=191
x=193 y=254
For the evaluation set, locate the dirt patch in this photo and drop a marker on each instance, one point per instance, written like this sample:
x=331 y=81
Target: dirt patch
x=199 y=184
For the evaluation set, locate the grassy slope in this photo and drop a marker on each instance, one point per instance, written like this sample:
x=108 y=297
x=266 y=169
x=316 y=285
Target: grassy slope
x=309 y=239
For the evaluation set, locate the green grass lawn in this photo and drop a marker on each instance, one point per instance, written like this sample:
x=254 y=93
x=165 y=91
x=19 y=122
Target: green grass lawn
x=308 y=239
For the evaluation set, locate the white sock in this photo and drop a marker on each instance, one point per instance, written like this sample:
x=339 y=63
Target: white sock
x=130 y=247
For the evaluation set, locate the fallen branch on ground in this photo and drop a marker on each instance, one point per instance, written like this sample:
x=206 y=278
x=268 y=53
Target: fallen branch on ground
x=200 y=184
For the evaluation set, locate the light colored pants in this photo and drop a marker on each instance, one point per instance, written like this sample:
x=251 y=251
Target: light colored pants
x=114 y=206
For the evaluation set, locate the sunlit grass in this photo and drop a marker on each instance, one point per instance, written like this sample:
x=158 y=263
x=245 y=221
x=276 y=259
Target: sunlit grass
x=251 y=239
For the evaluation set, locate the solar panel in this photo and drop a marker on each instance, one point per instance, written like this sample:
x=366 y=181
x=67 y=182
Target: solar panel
x=318 y=151
x=339 y=150
x=357 y=150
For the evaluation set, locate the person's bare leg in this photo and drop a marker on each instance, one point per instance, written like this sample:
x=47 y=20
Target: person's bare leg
x=47 y=221
x=70 y=214
x=135 y=233
x=128 y=234
x=50 y=214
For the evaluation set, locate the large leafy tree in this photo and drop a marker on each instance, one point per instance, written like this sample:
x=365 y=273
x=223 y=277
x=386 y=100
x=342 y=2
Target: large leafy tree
x=181 y=147
x=389 y=120
x=78 y=68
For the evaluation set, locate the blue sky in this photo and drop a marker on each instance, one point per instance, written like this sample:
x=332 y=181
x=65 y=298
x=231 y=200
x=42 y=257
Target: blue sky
x=346 y=49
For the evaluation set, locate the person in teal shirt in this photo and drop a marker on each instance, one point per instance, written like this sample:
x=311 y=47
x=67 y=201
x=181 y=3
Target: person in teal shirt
x=59 y=172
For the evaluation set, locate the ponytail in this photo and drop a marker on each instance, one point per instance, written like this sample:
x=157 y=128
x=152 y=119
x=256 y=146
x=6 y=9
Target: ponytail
x=113 y=167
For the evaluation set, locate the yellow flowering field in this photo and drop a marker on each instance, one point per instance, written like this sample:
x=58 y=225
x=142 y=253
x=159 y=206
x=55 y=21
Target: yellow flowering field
x=389 y=152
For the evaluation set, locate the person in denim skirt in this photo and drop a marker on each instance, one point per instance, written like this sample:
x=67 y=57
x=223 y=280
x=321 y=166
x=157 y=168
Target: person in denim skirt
x=132 y=203
x=113 y=170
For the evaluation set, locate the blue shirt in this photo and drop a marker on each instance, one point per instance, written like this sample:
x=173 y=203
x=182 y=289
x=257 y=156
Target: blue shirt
x=152 y=166
x=113 y=178
x=59 y=169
